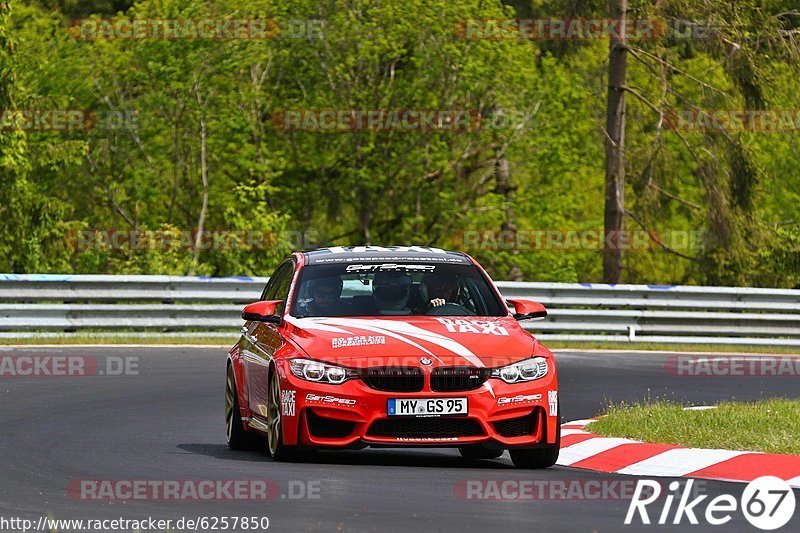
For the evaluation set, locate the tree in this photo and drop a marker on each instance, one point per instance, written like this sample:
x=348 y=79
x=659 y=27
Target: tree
x=27 y=217
x=614 y=222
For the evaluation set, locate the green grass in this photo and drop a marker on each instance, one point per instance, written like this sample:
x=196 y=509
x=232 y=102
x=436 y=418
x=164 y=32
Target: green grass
x=132 y=339
x=771 y=426
x=652 y=346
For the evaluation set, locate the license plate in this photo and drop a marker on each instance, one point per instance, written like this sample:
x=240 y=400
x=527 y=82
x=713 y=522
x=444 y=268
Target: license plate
x=427 y=406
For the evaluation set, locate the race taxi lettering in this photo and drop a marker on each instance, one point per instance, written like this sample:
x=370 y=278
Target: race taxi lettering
x=552 y=399
x=384 y=249
x=288 y=402
x=463 y=325
x=357 y=340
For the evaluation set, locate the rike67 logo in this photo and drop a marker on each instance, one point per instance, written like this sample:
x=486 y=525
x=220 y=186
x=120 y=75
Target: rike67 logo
x=768 y=503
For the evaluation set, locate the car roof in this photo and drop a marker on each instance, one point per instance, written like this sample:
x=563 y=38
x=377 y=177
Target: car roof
x=349 y=254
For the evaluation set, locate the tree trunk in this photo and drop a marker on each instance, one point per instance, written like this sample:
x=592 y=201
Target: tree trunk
x=614 y=222
x=505 y=188
x=201 y=219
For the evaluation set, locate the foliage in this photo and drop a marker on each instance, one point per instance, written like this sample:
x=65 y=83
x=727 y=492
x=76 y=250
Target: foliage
x=188 y=139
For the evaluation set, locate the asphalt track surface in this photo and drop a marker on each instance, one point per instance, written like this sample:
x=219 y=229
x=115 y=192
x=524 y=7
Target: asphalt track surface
x=167 y=423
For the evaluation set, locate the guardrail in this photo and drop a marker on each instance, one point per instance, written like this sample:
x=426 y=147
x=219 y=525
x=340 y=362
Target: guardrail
x=39 y=305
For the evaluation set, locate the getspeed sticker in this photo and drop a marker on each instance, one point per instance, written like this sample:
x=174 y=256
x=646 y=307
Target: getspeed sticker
x=390 y=267
x=332 y=400
x=519 y=398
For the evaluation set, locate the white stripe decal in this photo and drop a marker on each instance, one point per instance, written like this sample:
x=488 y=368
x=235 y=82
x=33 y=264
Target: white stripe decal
x=679 y=462
x=440 y=340
x=412 y=331
x=389 y=333
x=582 y=450
x=317 y=325
x=311 y=323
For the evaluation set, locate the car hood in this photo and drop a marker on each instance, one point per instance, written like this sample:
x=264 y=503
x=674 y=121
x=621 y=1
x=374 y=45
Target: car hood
x=411 y=341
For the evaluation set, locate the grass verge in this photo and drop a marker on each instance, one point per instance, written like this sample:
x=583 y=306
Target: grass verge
x=770 y=426
x=137 y=338
x=666 y=347
x=121 y=340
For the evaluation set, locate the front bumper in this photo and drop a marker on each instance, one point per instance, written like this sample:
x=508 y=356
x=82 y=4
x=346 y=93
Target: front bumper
x=354 y=415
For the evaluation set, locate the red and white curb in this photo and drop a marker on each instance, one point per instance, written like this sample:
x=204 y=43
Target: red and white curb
x=583 y=449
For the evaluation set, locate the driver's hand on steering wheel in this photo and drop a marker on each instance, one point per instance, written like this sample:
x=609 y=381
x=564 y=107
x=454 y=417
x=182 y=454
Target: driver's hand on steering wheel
x=437 y=302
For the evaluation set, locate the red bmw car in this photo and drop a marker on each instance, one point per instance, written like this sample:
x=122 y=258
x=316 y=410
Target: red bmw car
x=391 y=347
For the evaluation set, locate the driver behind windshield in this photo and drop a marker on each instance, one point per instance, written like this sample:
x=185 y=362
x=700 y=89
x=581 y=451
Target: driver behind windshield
x=441 y=289
x=391 y=292
x=324 y=293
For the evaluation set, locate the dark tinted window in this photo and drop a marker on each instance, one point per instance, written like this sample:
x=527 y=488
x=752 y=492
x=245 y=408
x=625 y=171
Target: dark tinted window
x=278 y=285
x=281 y=291
x=394 y=289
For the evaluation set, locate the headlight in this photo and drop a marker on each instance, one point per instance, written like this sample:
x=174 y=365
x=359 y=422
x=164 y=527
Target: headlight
x=527 y=370
x=320 y=372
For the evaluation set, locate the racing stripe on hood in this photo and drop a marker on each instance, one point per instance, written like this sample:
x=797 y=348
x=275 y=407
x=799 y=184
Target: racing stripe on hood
x=314 y=323
x=375 y=329
x=397 y=329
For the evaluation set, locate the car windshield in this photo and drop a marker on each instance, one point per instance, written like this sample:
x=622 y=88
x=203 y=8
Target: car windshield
x=394 y=289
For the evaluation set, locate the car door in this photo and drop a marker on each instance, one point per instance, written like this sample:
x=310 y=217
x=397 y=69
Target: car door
x=261 y=340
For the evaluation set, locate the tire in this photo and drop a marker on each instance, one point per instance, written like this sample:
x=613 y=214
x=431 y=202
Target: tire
x=535 y=458
x=480 y=452
x=237 y=437
x=275 y=446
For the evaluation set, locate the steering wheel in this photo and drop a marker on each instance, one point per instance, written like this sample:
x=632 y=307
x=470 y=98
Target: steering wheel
x=449 y=309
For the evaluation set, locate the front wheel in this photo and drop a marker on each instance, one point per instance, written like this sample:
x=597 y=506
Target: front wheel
x=237 y=437
x=275 y=446
x=543 y=457
x=535 y=458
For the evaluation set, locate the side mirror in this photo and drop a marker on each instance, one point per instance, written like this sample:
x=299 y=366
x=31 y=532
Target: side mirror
x=527 y=309
x=262 y=311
